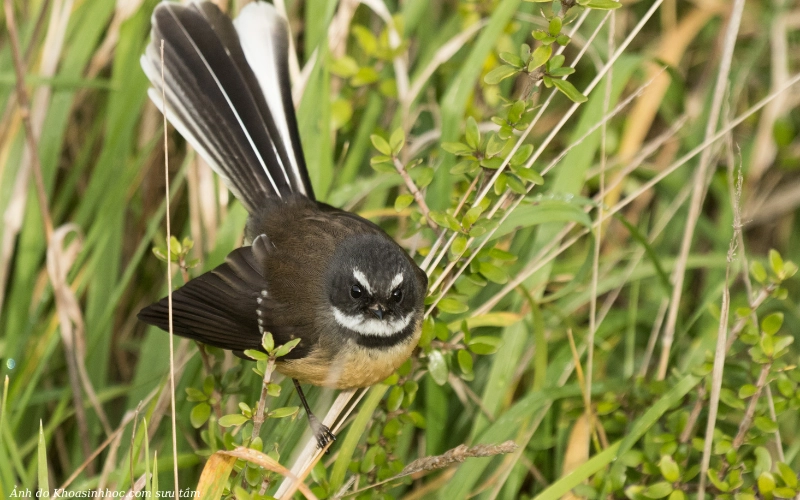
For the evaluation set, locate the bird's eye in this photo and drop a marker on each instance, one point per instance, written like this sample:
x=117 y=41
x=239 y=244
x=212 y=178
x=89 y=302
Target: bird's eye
x=355 y=291
x=397 y=295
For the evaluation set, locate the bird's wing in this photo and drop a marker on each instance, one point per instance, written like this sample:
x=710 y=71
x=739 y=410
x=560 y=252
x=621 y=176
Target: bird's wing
x=228 y=307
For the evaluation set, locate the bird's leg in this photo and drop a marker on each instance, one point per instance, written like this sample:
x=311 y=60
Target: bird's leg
x=321 y=431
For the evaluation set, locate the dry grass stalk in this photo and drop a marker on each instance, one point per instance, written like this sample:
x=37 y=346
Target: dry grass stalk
x=701 y=178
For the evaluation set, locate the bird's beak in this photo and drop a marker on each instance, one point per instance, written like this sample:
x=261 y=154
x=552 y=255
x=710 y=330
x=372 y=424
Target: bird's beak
x=377 y=310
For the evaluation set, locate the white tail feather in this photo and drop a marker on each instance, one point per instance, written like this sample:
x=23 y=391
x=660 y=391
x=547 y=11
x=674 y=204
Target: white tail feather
x=262 y=34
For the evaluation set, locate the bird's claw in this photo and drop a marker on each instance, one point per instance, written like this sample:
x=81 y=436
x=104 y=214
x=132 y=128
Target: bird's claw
x=321 y=432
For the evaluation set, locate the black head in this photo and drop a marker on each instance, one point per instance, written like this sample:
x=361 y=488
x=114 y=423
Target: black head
x=374 y=287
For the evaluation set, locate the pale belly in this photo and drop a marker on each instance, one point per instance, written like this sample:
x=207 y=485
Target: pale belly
x=354 y=366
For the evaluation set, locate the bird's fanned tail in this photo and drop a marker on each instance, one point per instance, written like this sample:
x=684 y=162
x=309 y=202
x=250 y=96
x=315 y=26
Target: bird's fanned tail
x=227 y=92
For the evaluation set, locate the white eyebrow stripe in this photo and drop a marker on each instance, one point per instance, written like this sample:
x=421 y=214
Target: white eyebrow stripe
x=359 y=276
x=396 y=281
x=371 y=327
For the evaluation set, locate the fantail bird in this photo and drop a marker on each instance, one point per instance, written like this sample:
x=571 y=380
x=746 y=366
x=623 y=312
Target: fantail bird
x=334 y=280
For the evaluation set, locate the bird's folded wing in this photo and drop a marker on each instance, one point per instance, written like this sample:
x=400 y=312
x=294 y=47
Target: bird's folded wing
x=222 y=307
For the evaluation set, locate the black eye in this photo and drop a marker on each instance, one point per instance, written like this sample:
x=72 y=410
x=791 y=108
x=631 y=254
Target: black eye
x=397 y=295
x=355 y=291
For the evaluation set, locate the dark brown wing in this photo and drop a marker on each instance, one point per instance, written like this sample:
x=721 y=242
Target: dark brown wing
x=226 y=306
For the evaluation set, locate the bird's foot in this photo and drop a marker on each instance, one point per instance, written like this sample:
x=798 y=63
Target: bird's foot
x=321 y=432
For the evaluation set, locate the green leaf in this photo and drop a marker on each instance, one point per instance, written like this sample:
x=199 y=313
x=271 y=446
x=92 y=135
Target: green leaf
x=379 y=164
x=516 y=110
x=341 y=112
x=524 y=51
x=716 y=481
x=563 y=40
x=499 y=74
x=516 y=185
x=268 y=342
x=499 y=254
x=569 y=90
x=555 y=26
x=364 y=76
x=772 y=323
x=232 y=419
x=459 y=246
x=521 y=156
x=492 y=163
x=286 y=411
x=472 y=215
x=452 y=306
x=457 y=148
x=444 y=219
x=255 y=355
x=788 y=475
x=530 y=175
x=493 y=273
x=397 y=141
x=403 y=201
x=767 y=345
x=286 y=348
x=540 y=56
x=658 y=490
x=747 y=391
x=765 y=424
x=368 y=462
x=603 y=4
x=484 y=344
x=437 y=367
x=465 y=167
x=274 y=390
x=423 y=176
x=500 y=184
x=473 y=135
x=199 y=415
x=559 y=72
x=465 y=362
x=669 y=469
x=555 y=63
x=344 y=67
x=208 y=385
x=195 y=395
x=160 y=253
x=366 y=40
x=494 y=145
x=784 y=492
x=776 y=262
x=395 y=398
x=381 y=144
x=766 y=483
x=512 y=59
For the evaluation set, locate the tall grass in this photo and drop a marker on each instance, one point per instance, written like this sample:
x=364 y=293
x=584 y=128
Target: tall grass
x=596 y=318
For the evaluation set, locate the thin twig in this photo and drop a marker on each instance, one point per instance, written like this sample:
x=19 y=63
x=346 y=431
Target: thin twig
x=169 y=286
x=722 y=341
x=744 y=425
x=258 y=418
x=453 y=456
x=423 y=207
